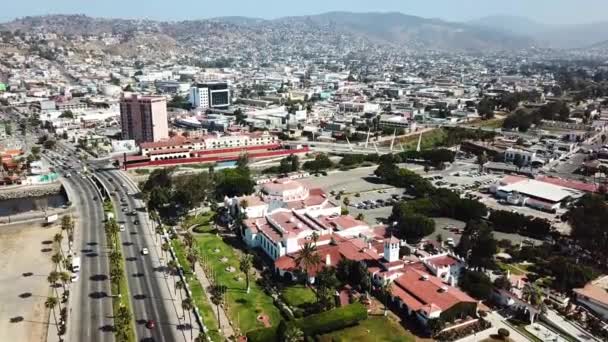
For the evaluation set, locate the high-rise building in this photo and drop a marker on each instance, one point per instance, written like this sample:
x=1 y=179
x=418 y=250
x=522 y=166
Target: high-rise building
x=210 y=95
x=144 y=118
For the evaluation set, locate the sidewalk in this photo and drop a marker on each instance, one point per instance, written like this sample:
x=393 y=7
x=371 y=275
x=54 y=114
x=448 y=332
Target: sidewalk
x=227 y=330
x=497 y=323
x=569 y=327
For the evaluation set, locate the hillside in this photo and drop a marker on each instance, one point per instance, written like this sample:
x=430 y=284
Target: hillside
x=395 y=29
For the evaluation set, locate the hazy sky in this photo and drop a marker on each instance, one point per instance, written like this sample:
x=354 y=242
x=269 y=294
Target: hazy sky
x=548 y=11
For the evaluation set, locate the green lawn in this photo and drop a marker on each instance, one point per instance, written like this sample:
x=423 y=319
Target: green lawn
x=198 y=294
x=243 y=308
x=373 y=329
x=202 y=221
x=492 y=123
x=298 y=295
x=515 y=269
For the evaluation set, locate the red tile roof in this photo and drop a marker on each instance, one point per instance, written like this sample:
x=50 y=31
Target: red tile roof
x=443 y=261
x=429 y=291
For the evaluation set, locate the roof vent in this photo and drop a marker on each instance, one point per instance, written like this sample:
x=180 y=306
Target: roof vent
x=444 y=289
x=425 y=277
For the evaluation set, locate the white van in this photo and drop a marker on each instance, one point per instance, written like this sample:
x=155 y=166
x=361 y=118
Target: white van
x=76 y=264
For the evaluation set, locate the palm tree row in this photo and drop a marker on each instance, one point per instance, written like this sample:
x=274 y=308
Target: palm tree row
x=122 y=323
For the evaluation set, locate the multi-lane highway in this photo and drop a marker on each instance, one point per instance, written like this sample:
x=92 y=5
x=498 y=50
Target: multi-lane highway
x=149 y=285
x=90 y=303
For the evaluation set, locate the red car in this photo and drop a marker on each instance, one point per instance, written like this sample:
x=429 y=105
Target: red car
x=151 y=324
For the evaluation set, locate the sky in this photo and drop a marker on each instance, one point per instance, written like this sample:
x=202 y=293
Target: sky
x=544 y=11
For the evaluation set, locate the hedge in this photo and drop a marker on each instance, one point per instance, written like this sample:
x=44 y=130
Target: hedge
x=312 y=325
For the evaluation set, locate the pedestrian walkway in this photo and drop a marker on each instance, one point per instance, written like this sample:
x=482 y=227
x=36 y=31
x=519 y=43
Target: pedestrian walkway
x=227 y=330
x=569 y=327
x=497 y=322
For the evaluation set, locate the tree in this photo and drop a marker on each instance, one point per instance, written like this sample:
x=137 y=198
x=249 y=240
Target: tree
x=53 y=278
x=346 y=201
x=217 y=297
x=245 y=265
x=56 y=259
x=51 y=303
x=588 y=219
x=308 y=258
x=116 y=276
x=188 y=306
x=193 y=258
x=502 y=283
x=435 y=325
x=411 y=225
x=326 y=283
x=477 y=284
x=482 y=159
x=360 y=217
x=202 y=336
x=188 y=240
x=67 y=114
x=65 y=278
x=386 y=291
x=49 y=144
x=292 y=334
x=503 y=334
x=477 y=244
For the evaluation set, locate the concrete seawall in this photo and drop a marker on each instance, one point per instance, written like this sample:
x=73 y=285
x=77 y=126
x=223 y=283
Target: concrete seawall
x=24 y=191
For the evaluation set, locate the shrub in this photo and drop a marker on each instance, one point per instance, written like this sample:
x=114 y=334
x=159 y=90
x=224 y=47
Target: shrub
x=503 y=333
x=322 y=323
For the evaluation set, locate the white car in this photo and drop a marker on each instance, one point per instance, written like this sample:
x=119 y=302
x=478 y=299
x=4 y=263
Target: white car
x=75 y=277
x=122 y=228
x=144 y=251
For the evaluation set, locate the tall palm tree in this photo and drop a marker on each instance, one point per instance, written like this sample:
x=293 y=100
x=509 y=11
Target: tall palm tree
x=56 y=259
x=293 y=334
x=188 y=240
x=116 y=276
x=52 y=279
x=165 y=248
x=159 y=231
x=65 y=278
x=57 y=239
x=179 y=286
x=172 y=269
x=217 y=297
x=187 y=306
x=245 y=265
x=386 y=290
x=202 y=337
x=51 y=303
x=308 y=258
x=193 y=258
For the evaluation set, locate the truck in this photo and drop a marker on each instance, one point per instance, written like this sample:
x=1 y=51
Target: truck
x=76 y=264
x=51 y=218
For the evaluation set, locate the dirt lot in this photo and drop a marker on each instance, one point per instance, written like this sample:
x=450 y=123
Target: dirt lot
x=25 y=248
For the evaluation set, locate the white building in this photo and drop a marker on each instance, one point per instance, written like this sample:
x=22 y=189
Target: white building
x=210 y=95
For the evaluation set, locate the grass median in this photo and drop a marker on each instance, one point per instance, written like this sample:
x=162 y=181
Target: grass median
x=122 y=288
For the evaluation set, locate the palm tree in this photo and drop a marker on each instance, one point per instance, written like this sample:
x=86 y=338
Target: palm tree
x=159 y=231
x=51 y=303
x=179 y=286
x=52 y=279
x=116 y=276
x=217 y=297
x=115 y=257
x=202 y=337
x=245 y=267
x=308 y=258
x=172 y=269
x=293 y=334
x=187 y=306
x=386 y=290
x=56 y=259
x=165 y=248
x=57 y=239
x=188 y=240
x=65 y=278
x=192 y=258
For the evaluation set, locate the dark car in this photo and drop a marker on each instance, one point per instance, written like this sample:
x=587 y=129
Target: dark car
x=151 y=324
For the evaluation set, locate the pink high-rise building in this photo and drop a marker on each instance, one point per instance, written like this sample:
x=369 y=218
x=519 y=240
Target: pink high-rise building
x=144 y=118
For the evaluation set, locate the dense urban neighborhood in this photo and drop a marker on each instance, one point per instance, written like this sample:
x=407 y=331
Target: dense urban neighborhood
x=300 y=179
